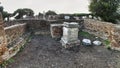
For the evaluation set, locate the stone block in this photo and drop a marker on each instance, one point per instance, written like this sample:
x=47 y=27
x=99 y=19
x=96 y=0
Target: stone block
x=86 y=42
x=70 y=35
x=97 y=43
x=56 y=30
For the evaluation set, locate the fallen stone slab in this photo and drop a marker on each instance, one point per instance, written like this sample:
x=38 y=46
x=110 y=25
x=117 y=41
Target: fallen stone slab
x=97 y=43
x=86 y=42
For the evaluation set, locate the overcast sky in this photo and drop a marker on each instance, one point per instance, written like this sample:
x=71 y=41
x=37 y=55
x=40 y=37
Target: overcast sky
x=60 y=6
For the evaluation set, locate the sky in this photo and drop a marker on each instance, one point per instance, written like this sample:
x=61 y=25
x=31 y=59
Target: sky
x=59 y=6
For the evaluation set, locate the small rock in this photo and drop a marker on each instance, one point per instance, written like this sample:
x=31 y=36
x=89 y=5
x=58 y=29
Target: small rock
x=52 y=65
x=97 y=43
x=86 y=42
x=96 y=37
x=81 y=64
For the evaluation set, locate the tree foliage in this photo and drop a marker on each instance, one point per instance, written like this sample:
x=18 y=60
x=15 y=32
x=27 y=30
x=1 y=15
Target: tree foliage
x=1 y=8
x=19 y=13
x=5 y=14
x=50 y=13
x=40 y=14
x=105 y=9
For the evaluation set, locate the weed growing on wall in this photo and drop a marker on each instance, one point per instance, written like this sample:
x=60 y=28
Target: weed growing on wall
x=28 y=40
x=107 y=44
x=85 y=34
x=5 y=63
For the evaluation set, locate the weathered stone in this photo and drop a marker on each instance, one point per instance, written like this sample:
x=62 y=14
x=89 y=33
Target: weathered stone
x=97 y=43
x=70 y=35
x=86 y=42
x=3 y=41
x=71 y=25
x=9 y=35
x=56 y=30
x=104 y=30
x=14 y=32
x=67 y=17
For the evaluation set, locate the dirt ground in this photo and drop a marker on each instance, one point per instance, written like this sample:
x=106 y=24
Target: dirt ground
x=44 y=52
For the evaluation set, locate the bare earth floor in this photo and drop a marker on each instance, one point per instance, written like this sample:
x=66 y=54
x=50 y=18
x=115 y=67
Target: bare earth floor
x=44 y=52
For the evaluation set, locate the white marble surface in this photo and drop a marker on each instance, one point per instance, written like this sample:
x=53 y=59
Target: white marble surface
x=86 y=42
x=97 y=43
x=70 y=34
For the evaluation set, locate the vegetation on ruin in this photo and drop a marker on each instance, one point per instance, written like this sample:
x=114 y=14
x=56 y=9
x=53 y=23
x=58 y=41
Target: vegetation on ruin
x=85 y=34
x=50 y=12
x=19 y=13
x=4 y=13
x=105 y=9
x=107 y=44
x=5 y=63
x=28 y=40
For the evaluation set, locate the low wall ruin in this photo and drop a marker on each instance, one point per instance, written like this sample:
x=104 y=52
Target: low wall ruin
x=12 y=38
x=15 y=31
x=104 y=30
x=15 y=34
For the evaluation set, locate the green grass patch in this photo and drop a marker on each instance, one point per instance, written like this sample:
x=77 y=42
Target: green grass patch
x=107 y=44
x=5 y=63
x=85 y=34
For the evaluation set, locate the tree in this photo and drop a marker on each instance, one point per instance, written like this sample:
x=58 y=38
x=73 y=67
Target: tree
x=50 y=13
x=19 y=13
x=1 y=8
x=40 y=14
x=28 y=12
x=105 y=9
x=5 y=14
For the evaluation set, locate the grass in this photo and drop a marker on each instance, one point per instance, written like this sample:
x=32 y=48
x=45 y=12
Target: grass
x=28 y=40
x=5 y=63
x=107 y=44
x=85 y=34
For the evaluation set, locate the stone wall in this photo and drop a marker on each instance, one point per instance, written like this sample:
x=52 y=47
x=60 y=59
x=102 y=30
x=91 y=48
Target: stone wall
x=3 y=41
x=35 y=26
x=38 y=24
x=12 y=38
x=15 y=31
x=105 y=30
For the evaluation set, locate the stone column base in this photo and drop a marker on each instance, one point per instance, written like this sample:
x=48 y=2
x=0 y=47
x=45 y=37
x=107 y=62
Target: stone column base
x=70 y=44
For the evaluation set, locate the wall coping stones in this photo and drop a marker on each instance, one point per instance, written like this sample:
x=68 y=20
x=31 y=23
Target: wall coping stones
x=14 y=26
x=71 y=24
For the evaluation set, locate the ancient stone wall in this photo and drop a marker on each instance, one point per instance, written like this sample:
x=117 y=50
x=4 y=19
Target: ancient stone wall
x=15 y=37
x=35 y=26
x=105 y=30
x=14 y=32
x=12 y=38
x=3 y=41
